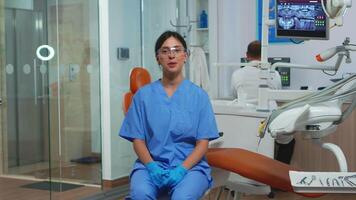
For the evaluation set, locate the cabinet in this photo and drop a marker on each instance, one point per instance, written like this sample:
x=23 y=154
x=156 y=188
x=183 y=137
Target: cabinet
x=199 y=37
x=205 y=38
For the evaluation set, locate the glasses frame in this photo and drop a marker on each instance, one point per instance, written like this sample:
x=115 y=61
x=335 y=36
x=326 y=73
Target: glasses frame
x=175 y=51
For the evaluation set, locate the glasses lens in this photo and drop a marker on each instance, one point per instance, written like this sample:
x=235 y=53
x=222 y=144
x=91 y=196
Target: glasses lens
x=171 y=51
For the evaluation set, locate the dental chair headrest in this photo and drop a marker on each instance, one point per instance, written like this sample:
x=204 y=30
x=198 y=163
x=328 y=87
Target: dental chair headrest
x=139 y=77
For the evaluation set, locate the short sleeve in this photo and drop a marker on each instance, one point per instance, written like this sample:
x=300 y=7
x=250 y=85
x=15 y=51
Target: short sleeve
x=132 y=126
x=207 y=128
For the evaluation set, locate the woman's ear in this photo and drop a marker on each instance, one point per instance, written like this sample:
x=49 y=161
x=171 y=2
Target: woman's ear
x=186 y=57
x=157 y=60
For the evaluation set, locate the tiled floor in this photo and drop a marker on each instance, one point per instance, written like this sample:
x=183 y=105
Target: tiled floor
x=10 y=188
x=83 y=173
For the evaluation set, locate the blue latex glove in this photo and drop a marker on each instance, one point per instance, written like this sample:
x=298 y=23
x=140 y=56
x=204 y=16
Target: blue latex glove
x=157 y=173
x=175 y=176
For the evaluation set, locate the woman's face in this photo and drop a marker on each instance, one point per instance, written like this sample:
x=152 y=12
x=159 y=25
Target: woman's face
x=171 y=56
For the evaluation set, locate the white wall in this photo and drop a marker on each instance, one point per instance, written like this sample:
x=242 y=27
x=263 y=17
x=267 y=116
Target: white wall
x=239 y=27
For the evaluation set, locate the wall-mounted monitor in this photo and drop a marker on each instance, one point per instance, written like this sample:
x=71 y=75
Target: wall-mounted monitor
x=302 y=19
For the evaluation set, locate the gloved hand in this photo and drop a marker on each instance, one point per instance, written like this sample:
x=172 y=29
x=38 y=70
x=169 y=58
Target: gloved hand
x=175 y=176
x=156 y=173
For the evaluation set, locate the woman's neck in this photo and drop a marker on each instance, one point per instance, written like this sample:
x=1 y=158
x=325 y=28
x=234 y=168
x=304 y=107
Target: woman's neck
x=172 y=81
x=170 y=85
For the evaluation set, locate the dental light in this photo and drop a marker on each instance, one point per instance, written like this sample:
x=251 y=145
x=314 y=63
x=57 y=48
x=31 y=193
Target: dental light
x=335 y=9
x=341 y=51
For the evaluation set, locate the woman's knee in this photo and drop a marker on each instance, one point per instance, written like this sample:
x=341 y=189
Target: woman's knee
x=192 y=187
x=139 y=192
x=141 y=186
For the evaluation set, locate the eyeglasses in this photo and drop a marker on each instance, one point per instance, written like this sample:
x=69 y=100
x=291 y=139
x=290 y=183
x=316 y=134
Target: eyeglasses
x=165 y=51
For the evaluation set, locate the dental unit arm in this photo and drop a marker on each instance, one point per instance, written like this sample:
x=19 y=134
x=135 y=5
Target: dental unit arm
x=266 y=94
x=315 y=116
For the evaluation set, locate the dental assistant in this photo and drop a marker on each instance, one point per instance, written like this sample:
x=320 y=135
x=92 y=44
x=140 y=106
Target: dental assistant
x=170 y=123
x=245 y=81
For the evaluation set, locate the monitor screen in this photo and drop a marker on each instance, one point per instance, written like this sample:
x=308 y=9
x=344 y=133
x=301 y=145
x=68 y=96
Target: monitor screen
x=303 y=19
x=284 y=72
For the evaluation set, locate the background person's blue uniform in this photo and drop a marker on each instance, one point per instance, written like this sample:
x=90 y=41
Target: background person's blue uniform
x=170 y=126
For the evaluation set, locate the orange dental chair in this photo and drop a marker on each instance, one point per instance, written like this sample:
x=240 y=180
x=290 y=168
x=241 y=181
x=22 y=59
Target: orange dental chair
x=139 y=77
x=254 y=166
x=246 y=163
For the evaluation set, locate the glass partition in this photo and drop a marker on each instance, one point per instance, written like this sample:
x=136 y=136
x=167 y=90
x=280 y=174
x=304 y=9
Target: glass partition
x=74 y=101
x=50 y=110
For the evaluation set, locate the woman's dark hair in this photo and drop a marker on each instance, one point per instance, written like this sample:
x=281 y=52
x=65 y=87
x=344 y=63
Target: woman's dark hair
x=164 y=36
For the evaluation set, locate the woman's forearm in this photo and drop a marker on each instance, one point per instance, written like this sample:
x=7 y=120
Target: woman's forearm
x=199 y=151
x=141 y=151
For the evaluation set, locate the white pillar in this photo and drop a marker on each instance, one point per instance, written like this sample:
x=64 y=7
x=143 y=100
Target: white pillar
x=105 y=88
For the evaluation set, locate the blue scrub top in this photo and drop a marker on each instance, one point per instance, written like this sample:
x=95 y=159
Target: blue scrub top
x=170 y=126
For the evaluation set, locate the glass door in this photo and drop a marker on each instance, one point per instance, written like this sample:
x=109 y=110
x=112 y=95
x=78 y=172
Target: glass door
x=74 y=91
x=24 y=109
x=50 y=97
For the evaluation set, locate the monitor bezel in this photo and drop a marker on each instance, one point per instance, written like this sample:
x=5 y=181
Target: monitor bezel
x=302 y=34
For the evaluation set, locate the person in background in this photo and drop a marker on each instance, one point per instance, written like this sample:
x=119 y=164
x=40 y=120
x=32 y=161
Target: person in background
x=170 y=123
x=245 y=83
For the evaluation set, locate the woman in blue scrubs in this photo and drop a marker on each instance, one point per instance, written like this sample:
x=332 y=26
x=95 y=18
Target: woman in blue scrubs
x=170 y=123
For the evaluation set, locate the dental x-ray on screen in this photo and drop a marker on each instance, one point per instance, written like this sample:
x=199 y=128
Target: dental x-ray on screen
x=304 y=19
